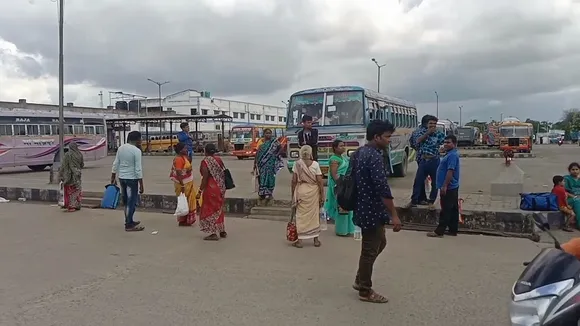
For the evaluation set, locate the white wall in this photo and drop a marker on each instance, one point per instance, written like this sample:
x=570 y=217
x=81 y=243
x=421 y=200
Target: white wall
x=242 y=112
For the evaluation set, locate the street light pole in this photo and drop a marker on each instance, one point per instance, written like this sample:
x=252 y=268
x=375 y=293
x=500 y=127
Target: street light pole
x=437 y=98
x=378 y=73
x=460 y=108
x=159 y=84
x=57 y=163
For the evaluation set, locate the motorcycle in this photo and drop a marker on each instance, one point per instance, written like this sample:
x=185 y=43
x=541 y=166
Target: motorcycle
x=560 y=142
x=547 y=293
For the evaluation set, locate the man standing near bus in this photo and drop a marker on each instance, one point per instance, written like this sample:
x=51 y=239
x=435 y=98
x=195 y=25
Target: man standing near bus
x=184 y=137
x=428 y=141
x=309 y=136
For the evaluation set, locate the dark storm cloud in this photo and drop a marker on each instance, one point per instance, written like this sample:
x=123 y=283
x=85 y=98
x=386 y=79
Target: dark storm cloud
x=498 y=55
x=191 y=46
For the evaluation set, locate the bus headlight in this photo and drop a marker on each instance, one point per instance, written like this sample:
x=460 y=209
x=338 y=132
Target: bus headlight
x=294 y=154
x=350 y=151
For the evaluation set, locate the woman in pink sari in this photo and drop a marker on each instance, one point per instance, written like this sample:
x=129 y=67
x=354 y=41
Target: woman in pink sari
x=212 y=191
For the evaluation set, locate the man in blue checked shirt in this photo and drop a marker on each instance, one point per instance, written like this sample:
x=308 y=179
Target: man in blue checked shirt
x=427 y=141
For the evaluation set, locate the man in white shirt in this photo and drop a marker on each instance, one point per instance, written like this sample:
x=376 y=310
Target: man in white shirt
x=127 y=166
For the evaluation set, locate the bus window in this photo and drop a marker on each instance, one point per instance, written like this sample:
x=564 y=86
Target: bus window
x=100 y=130
x=68 y=129
x=20 y=130
x=5 y=130
x=32 y=130
x=78 y=130
x=90 y=130
x=407 y=121
x=44 y=129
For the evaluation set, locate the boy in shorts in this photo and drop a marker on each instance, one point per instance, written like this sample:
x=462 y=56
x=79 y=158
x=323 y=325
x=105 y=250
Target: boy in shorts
x=562 y=196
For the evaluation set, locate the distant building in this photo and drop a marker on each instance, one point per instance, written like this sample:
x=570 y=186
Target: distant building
x=193 y=102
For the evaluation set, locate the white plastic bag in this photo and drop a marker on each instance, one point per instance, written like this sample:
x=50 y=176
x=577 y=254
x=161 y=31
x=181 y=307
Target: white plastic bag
x=182 y=208
x=255 y=183
x=61 y=194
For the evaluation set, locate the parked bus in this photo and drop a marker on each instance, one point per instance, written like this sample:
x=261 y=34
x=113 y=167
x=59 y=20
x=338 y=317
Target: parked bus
x=515 y=135
x=347 y=110
x=247 y=138
x=492 y=134
x=468 y=136
x=447 y=127
x=163 y=141
x=31 y=138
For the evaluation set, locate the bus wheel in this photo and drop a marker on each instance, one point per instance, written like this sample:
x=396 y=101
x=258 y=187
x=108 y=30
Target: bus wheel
x=37 y=168
x=400 y=170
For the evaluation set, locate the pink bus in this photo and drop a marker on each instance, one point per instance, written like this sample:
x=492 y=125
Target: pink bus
x=30 y=138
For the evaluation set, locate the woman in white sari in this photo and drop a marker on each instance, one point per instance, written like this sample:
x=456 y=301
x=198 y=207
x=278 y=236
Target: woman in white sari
x=308 y=197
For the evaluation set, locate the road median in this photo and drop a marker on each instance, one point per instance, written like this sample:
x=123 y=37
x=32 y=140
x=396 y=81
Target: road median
x=504 y=223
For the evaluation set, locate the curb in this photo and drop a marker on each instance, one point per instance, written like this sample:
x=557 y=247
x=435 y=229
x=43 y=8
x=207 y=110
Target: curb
x=508 y=223
x=496 y=155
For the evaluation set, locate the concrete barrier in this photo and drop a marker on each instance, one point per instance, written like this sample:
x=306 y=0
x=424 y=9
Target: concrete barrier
x=504 y=223
x=509 y=182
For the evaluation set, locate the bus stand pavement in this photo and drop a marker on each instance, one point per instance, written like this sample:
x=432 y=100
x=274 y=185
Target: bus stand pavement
x=71 y=269
x=483 y=211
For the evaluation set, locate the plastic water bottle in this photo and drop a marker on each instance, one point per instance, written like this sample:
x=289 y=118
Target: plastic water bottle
x=323 y=224
x=357 y=233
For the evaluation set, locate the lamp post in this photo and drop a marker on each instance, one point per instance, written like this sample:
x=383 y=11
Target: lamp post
x=378 y=73
x=159 y=84
x=437 y=99
x=460 y=108
x=57 y=161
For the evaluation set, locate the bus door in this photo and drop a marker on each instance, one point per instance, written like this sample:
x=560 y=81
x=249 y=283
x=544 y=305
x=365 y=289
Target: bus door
x=387 y=112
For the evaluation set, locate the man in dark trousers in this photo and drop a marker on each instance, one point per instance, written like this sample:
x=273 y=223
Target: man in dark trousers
x=374 y=205
x=448 y=185
x=309 y=136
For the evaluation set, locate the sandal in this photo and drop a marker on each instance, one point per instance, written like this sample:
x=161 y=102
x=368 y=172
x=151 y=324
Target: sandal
x=135 y=228
x=374 y=297
x=317 y=243
x=297 y=244
x=223 y=234
x=211 y=237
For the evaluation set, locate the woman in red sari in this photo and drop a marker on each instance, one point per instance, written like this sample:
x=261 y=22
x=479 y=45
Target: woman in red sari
x=212 y=191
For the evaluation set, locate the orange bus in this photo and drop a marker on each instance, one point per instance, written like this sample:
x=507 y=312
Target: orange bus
x=515 y=136
x=247 y=138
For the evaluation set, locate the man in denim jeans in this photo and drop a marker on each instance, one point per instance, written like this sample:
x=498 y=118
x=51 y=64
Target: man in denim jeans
x=127 y=166
x=427 y=140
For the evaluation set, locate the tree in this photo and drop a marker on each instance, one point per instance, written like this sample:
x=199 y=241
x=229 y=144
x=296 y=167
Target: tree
x=474 y=123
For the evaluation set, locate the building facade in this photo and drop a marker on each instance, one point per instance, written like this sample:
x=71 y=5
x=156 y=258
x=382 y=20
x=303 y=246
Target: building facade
x=193 y=102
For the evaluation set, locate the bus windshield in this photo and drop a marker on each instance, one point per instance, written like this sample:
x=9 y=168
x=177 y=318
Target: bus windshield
x=242 y=134
x=342 y=108
x=515 y=131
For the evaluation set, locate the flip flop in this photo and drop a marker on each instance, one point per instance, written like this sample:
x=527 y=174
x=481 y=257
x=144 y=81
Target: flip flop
x=374 y=297
x=135 y=229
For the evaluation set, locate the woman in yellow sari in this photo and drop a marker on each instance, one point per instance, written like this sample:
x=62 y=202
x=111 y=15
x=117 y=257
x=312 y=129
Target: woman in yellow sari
x=308 y=197
x=182 y=176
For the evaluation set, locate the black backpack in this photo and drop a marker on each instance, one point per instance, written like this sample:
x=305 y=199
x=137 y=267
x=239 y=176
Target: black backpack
x=346 y=189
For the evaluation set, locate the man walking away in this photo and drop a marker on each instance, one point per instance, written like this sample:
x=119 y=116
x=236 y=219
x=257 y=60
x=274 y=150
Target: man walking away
x=374 y=204
x=127 y=166
x=184 y=137
x=309 y=136
x=428 y=141
x=448 y=185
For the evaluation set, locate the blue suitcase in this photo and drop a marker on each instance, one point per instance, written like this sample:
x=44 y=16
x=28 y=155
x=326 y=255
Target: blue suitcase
x=111 y=197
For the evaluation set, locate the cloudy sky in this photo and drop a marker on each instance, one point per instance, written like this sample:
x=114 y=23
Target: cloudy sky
x=516 y=57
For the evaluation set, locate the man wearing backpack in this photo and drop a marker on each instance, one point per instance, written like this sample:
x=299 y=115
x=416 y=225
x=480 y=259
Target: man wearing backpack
x=374 y=205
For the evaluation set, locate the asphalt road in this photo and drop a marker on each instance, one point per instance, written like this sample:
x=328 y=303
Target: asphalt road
x=476 y=173
x=77 y=269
